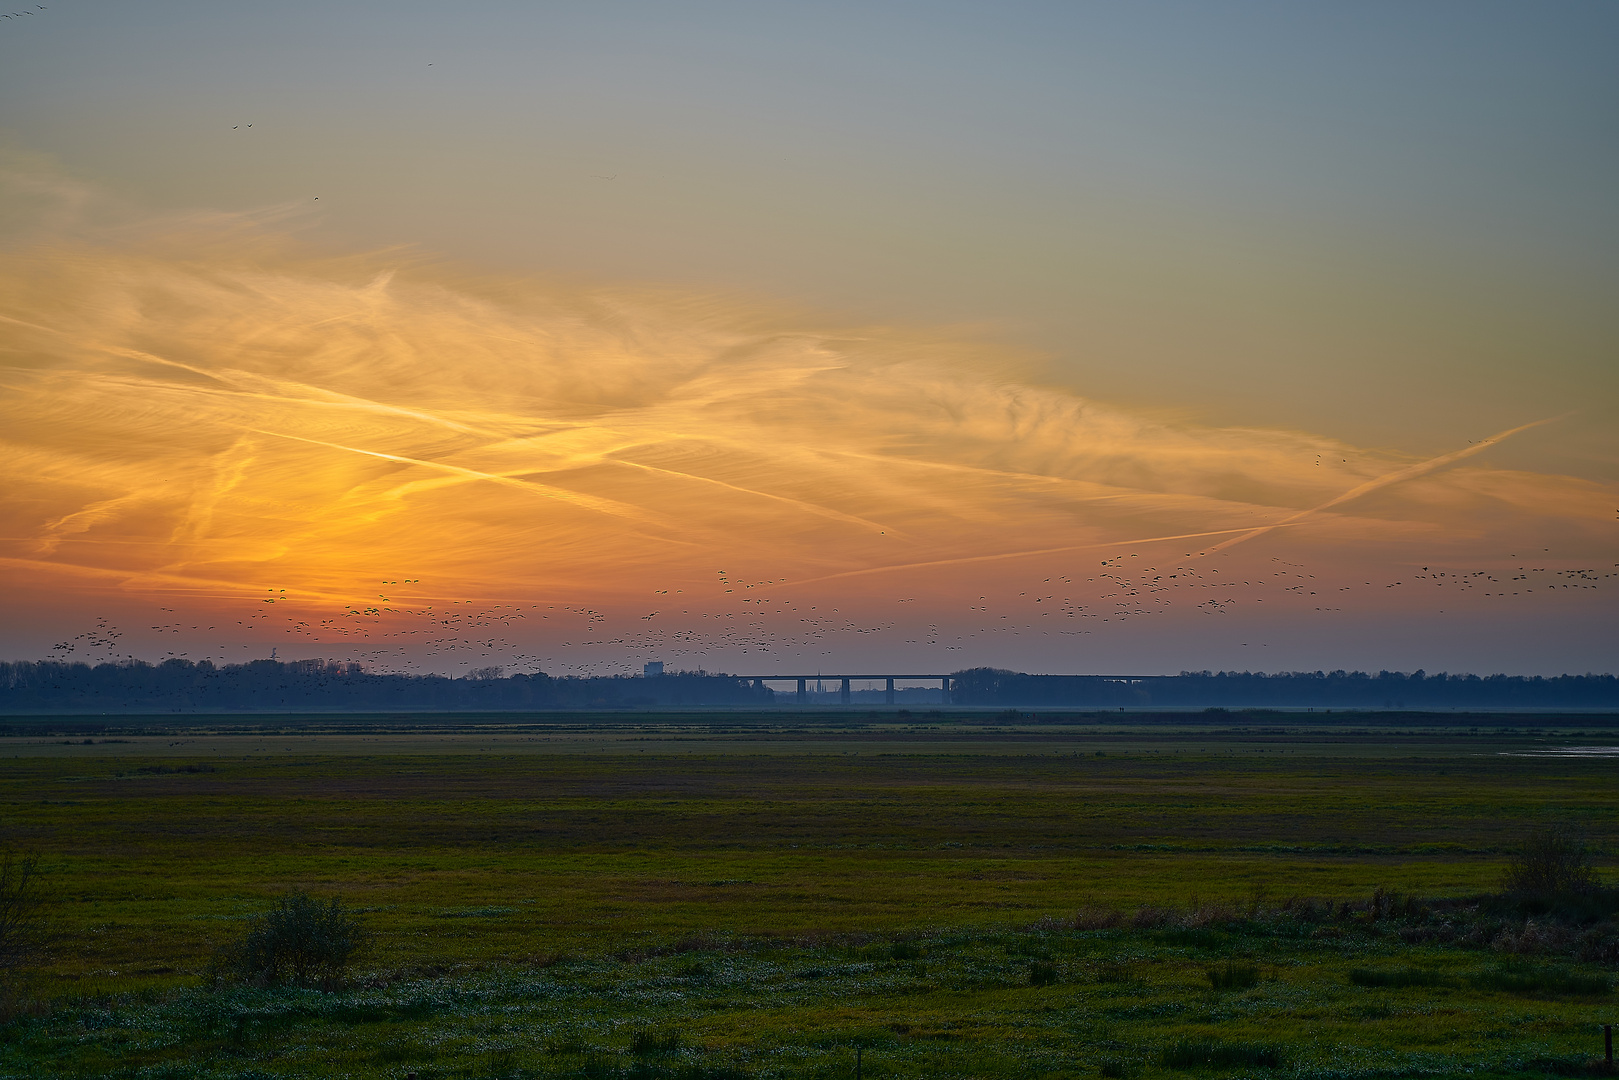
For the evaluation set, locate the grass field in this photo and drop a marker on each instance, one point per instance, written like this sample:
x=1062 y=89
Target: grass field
x=763 y=895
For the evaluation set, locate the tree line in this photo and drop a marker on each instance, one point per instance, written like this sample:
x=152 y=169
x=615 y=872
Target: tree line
x=1295 y=689
x=276 y=686
x=272 y=685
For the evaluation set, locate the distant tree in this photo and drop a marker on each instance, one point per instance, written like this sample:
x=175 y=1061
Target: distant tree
x=301 y=940
x=1552 y=861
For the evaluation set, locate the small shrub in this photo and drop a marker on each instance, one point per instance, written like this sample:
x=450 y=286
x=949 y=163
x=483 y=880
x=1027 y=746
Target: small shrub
x=1202 y=1053
x=300 y=940
x=1234 y=975
x=1396 y=978
x=1551 y=861
x=1042 y=973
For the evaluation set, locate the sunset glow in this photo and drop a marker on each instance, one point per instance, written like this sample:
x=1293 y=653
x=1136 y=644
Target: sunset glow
x=341 y=456
x=777 y=396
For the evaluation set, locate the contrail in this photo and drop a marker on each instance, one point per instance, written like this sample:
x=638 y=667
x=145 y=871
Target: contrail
x=1384 y=481
x=586 y=502
x=235 y=379
x=807 y=507
x=1018 y=554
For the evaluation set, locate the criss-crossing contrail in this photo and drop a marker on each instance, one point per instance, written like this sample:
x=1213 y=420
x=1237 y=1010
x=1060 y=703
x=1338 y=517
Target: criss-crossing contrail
x=584 y=501
x=1395 y=477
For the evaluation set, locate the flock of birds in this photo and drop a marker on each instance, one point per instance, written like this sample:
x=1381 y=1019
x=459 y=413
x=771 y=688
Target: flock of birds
x=744 y=622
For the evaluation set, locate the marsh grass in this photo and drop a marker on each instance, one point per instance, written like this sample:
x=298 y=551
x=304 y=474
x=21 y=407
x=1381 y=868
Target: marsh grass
x=1117 y=1068
x=1204 y=1052
x=1522 y=977
x=643 y=1043
x=1116 y=972
x=1233 y=975
x=1043 y=973
x=1398 y=978
x=535 y=915
x=970 y=1008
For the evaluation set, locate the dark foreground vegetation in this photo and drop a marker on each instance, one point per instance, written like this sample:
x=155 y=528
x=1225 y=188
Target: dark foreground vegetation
x=708 y=900
x=269 y=685
x=1153 y=996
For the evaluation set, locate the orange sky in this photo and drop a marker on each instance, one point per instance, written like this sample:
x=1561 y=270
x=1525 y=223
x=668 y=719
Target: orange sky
x=218 y=443
x=1057 y=337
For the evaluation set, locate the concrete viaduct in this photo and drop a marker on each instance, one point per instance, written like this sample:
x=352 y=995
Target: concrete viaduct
x=888 y=697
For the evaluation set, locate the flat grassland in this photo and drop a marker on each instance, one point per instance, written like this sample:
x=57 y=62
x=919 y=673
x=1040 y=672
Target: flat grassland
x=761 y=895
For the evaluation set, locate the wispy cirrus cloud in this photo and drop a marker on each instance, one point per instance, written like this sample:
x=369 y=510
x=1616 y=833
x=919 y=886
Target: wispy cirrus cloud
x=203 y=402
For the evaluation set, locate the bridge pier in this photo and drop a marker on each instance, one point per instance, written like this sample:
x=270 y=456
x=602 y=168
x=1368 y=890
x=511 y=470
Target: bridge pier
x=888 y=695
x=946 y=682
x=843 y=693
x=803 y=693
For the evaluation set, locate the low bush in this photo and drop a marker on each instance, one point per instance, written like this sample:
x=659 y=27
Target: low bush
x=301 y=940
x=1233 y=975
x=1203 y=1053
x=1552 y=861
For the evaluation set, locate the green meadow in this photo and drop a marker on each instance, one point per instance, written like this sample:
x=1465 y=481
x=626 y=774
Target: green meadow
x=777 y=895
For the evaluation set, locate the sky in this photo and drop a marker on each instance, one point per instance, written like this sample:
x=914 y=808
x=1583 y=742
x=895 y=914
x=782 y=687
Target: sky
x=790 y=338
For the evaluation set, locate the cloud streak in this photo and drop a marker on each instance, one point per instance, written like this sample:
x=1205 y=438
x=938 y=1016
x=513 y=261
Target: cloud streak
x=1409 y=472
x=205 y=409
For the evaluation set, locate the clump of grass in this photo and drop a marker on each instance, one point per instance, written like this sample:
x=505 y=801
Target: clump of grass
x=1037 y=948
x=476 y=913
x=1233 y=975
x=1042 y=973
x=1517 y=977
x=1095 y=917
x=1395 y=978
x=646 y=1043
x=1115 y=1068
x=1116 y=971
x=905 y=950
x=565 y=1044
x=1195 y=1053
